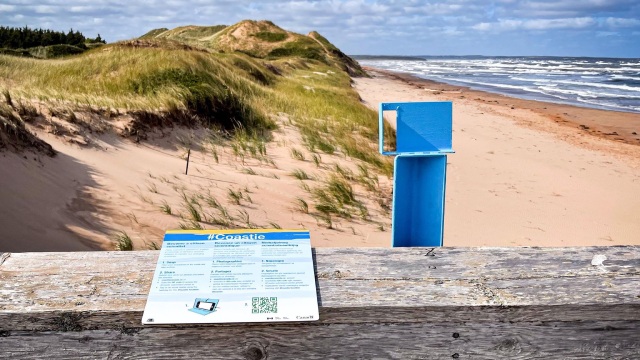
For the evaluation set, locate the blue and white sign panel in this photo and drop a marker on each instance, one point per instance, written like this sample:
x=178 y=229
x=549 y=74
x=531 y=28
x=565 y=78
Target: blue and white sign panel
x=228 y=276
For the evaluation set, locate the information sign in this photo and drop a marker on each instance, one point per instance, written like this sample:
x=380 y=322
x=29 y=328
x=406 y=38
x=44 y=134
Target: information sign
x=225 y=276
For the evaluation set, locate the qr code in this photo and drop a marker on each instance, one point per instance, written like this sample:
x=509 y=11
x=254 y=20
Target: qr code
x=264 y=305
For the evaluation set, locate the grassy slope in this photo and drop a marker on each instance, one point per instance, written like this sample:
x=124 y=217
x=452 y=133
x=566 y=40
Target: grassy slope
x=341 y=59
x=261 y=39
x=158 y=78
x=249 y=37
x=222 y=89
x=153 y=33
x=188 y=34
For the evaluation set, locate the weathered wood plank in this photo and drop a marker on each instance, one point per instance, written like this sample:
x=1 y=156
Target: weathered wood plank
x=542 y=340
x=369 y=263
x=75 y=292
x=102 y=281
x=374 y=303
x=128 y=319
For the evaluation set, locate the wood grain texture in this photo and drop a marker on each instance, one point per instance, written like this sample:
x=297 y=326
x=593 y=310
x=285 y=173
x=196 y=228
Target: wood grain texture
x=374 y=303
x=543 y=340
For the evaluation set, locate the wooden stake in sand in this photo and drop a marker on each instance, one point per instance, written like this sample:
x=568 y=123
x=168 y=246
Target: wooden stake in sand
x=186 y=171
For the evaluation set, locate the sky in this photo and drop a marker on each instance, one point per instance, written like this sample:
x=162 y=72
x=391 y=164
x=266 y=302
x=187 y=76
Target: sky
x=598 y=28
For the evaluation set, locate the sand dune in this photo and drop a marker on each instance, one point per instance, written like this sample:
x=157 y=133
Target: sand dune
x=83 y=197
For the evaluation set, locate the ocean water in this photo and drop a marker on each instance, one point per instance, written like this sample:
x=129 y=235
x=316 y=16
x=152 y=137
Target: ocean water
x=603 y=83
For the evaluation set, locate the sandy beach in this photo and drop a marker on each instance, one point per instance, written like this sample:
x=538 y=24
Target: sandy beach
x=526 y=173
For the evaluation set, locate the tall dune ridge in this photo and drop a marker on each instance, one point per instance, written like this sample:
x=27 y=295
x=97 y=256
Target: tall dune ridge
x=276 y=137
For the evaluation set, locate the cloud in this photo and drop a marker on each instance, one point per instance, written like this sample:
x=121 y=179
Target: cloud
x=537 y=24
x=607 y=34
x=567 y=8
x=622 y=22
x=356 y=26
x=45 y=9
x=483 y=26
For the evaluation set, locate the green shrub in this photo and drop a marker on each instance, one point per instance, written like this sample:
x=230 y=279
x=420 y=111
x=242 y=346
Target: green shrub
x=152 y=82
x=54 y=51
x=15 y=52
x=259 y=74
x=307 y=49
x=203 y=96
x=270 y=36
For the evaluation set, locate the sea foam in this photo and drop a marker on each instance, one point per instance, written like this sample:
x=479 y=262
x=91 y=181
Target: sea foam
x=612 y=84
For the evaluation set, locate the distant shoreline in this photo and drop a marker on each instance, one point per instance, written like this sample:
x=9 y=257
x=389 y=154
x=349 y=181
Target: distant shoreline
x=386 y=57
x=423 y=57
x=610 y=124
x=597 y=83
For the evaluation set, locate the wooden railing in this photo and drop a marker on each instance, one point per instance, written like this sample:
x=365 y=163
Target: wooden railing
x=402 y=303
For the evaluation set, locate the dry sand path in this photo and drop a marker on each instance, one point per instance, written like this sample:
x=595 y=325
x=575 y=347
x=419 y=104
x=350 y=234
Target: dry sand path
x=519 y=179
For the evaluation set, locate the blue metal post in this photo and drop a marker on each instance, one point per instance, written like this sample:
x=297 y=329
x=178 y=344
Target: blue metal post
x=423 y=137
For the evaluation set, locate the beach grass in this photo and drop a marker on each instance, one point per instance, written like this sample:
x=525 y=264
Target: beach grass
x=331 y=117
x=190 y=225
x=152 y=245
x=337 y=197
x=297 y=154
x=300 y=174
x=166 y=208
x=163 y=81
x=155 y=79
x=123 y=241
x=302 y=205
x=235 y=196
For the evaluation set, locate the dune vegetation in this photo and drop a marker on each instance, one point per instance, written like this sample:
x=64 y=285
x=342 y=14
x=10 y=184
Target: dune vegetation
x=167 y=77
x=240 y=83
